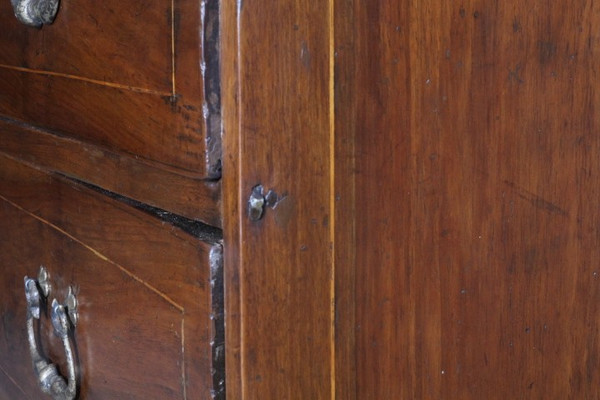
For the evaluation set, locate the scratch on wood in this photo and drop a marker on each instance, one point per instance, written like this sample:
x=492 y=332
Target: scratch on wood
x=536 y=201
x=99 y=255
x=10 y=378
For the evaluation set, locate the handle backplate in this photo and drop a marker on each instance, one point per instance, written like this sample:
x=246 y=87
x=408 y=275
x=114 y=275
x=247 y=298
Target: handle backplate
x=35 y=12
x=50 y=381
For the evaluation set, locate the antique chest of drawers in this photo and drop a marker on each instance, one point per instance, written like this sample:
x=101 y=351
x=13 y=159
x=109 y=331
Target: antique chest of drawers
x=404 y=204
x=110 y=161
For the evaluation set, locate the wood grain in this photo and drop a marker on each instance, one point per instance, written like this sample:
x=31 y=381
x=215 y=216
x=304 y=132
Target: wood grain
x=345 y=243
x=143 y=287
x=124 y=76
x=143 y=124
x=277 y=121
x=232 y=201
x=168 y=189
x=97 y=41
x=475 y=162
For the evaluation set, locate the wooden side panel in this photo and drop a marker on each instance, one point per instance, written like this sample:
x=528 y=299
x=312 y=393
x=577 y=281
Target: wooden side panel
x=279 y=269
x=233 y=211
x=143 y=288
x=476 y=161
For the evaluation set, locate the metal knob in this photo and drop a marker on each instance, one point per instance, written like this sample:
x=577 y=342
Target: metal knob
x=51 y=382
x=35 y=12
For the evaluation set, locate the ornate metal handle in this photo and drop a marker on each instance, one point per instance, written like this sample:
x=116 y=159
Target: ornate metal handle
x=48 y=377
x=35 y=12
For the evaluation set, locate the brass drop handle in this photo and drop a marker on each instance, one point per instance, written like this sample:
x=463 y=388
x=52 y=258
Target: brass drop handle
x=51 y=382
x=35 y=12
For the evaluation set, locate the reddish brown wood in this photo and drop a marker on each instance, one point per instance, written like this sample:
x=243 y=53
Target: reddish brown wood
x=103 y=42
x=124 y=76
x=435 y=234
x=118 y=119
x=345 y=201
x=9 y=388
x=146 y=182
x=475 y=145
x=232 y=198
x=277 y=118
x=143 y=288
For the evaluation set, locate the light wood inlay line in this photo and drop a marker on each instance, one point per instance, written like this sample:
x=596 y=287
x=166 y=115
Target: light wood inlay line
x=332 y=190
x=98 y=254
x=88 y=80
x=173 y=46
x=13 y=381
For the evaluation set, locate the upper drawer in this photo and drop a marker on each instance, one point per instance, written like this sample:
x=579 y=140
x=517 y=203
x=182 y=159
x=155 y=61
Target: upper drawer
x=133 y=76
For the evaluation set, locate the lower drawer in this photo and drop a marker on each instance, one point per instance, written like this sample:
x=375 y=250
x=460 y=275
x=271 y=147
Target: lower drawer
x=148 y=321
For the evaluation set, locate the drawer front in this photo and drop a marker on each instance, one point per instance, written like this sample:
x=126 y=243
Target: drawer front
x=125 y=75
x=143 y=289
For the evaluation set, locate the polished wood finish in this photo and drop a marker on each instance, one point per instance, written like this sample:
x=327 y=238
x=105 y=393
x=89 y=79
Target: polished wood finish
x=432 y=230
x=475 y=272
x=124 y=76
x=144 y=290
x=147 y=182
x=110 y=159
x=345 y=243
x=99 y=42
x=232 y=201
x=277 y=104
x=464 y=222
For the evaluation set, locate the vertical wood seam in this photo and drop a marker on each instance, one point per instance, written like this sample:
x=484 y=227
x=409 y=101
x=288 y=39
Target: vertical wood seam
x=173 y=47
x=332 y=192
x=239 y=111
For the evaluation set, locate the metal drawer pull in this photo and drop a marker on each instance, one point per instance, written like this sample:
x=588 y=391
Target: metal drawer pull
x=35 y=12
x=48 y=377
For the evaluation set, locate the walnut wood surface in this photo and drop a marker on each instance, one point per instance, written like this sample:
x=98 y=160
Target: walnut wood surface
x=475 y=134
x=345 y=201
x=152 y=184
x=143 y=289
x=97 y=41
x=122 y=75
x=277 y=117
x=464 y=174
x=232 y=200
x=442 y=198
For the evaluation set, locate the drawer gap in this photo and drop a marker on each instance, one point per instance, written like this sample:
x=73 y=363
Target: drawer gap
x=200 y=230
